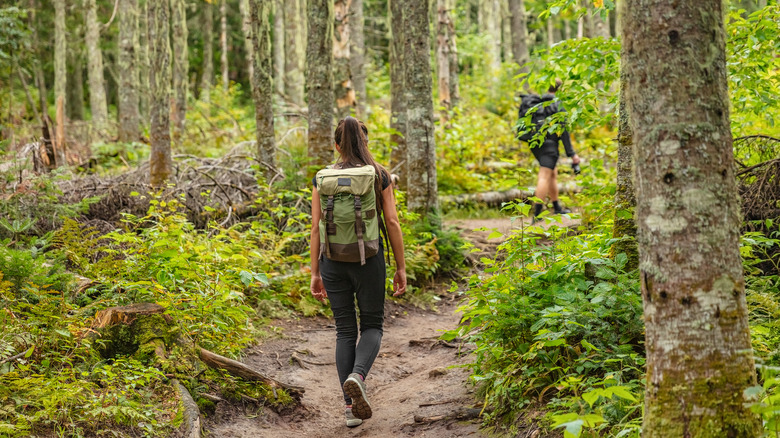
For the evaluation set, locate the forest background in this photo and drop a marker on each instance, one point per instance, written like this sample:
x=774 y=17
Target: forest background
x=223 y=247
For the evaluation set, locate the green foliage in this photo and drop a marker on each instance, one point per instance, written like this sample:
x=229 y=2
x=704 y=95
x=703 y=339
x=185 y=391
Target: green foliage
x=14 y=34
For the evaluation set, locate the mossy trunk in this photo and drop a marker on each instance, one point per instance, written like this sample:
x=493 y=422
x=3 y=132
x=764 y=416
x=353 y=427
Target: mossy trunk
x=506 y=32
x=293 y=70
x=519 y=32
x=97 y=86
x=160 y=161
x=207 y=75
x=397 y=99
x=422 y=190
x=624 y=227
x=142 y=61
x=344 y=92
x=279 y=47
x=129 y=117
x=357 y=49
x=319 y=77
x=75 y=100
x=262 y=85
x=181 y=66
x=246 y=32
x=60 y=67
x=699 y=355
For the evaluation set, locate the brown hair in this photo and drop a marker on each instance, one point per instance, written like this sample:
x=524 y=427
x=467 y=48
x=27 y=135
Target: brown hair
x=553 y=88
x=352 y=137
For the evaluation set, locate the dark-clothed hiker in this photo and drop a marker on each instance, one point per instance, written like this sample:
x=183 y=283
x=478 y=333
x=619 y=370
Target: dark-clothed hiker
x=547 y=156
x=351 y=202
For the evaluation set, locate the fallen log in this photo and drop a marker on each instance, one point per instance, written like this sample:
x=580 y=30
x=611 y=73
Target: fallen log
x=191 y=414
x=458 y=414
x=496 y=198
x=238 y=369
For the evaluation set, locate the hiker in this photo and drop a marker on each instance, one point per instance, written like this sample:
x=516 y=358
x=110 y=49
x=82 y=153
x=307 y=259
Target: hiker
x=547 y=155
x=343 y=271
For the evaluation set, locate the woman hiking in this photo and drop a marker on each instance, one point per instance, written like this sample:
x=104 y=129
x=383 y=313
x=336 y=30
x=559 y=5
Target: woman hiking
x=349 y=201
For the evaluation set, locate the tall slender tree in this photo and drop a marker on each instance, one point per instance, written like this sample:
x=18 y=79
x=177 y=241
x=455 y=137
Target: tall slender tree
x=181 y=66
x=519 y=33
x=624 y=227
x=75 y=98
x=207 y=76
x=262 y=85
x=293 y=68
x=223 y=45
x=319 y=61
x=397 y=98
x=699 y=355
x=342 y=73
x=506 y=32
x=357 y=58
x=422 y=191
x=129 y=117
x=97 y=86
x=142 y=61
x=279 y=47
x=490 y=24
x=60 y=76
x=442 y=55
x=246 y=31
x=160 y=160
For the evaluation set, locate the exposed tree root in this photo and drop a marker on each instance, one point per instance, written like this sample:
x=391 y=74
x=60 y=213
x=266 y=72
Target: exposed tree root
x=191 y=425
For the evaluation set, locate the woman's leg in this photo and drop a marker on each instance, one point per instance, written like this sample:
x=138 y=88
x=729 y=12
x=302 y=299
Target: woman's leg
x=336 y=278
x=369 y=283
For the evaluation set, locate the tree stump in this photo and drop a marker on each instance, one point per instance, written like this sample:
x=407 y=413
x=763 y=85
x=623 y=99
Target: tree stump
x=140 y=329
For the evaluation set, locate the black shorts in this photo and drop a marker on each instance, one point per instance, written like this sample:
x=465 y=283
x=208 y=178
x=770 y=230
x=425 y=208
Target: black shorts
x=546 y=154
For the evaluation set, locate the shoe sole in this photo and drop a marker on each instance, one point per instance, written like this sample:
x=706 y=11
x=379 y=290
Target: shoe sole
x=360 y=407
x=354 y=423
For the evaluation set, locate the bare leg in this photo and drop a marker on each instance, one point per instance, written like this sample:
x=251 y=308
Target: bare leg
x=552 y=191
x=543 y=183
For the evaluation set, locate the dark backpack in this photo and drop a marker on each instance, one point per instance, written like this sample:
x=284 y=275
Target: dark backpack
x=538 y=108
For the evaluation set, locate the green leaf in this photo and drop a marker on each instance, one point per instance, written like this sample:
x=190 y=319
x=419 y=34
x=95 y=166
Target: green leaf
x=29 y=352
x=245 y=277
x=622 y=392
x=495 y=235
x=592 y=396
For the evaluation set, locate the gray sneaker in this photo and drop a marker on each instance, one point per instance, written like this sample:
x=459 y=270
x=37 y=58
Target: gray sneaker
x=356 y=390
x=351 y=420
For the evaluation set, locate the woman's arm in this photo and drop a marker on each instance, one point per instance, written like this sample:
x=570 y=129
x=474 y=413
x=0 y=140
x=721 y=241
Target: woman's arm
x=396 y=240
x=317 y=288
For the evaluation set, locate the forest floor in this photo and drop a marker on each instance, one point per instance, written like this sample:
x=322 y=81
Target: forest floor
x=415 y=374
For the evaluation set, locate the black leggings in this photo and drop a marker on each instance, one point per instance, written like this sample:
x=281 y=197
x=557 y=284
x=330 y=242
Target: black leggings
x=344 y=282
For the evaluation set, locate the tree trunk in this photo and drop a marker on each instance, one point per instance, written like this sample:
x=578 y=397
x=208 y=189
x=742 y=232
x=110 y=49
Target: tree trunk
x=160 y=162
x=262 y=86
x=566 y=30
x=75 y=93
x=342 y=75
x=599 y=25
x=490 y=24
x=453 y=58
x=397 y=99
x=422 y=191
x=550 y=31
x=129 y=117
x=357 y=56
x=293 y=70
x=519 y=33
x=97 y=86
x=279 y=47
x=246 y=31
x=699 y=355
x=506 y=32
x=207 y=77
x=319 y=76
x=625 y=202
x=442 y=56
x=181 y=66
x=223 y=44
x=60 y=69
x=142 y=61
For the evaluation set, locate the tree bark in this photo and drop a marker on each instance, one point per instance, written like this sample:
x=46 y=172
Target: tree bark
x=342 y=74
x=599 y=25
x=699 y=355
x=207 y=76
x=75 y=93
x=142 y=61
x=181 y=67
x=453 y=56
x=160 y=161
x=519 y=33
x=223 y=44
x=246 y=31
x=550 y=31
x=490 y=24
x=129 y=117
x=625 y=202
x=319 y=76
x=262 y=86
x=357 y=56
x=422 y=190
x=506 y=32
x=397 y=99
x=279 y=47
x=293 y=70
x=97 y=86
x=442 y=56
x=60 y=68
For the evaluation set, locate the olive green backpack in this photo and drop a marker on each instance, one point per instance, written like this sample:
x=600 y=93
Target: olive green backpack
x=349 y=226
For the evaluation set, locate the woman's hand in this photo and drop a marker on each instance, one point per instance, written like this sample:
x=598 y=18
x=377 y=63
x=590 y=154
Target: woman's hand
x=318 y=289
x=399 y=283
x=575 y=159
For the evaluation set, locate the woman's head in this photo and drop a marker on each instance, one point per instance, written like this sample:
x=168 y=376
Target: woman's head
x=352 y=140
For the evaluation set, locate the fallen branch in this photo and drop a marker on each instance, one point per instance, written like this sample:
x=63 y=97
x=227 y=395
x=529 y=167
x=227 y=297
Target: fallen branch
x=498 y=198
x=458 y=414
x=12 y=358
x=442 y=402
x=238 y=369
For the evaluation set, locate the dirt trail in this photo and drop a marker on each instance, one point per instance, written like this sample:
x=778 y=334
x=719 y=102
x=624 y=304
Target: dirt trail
x=405 y=375
x=413 y=368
